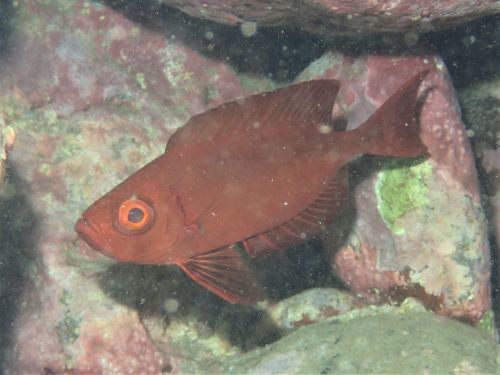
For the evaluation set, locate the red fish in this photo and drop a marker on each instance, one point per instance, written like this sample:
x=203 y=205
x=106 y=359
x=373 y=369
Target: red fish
x=265 y=172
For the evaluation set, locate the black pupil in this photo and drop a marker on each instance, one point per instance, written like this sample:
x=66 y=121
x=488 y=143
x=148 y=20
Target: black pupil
x=135 y=215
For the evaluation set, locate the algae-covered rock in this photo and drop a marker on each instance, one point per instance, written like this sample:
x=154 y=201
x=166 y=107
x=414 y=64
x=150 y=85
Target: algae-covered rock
x=387 y=341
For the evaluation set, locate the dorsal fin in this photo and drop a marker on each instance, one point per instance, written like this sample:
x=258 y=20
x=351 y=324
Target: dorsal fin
x=225 y=273
x=306 y=224
x=304 y=103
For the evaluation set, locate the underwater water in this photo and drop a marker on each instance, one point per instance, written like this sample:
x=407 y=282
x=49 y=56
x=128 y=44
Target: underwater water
x=355 y=251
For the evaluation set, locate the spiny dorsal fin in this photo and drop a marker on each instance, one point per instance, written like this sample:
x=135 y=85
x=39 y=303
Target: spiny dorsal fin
x=304 y=103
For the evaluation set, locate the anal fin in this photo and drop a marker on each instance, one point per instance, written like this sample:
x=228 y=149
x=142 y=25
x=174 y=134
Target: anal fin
x=224 y=272
x=308 y=223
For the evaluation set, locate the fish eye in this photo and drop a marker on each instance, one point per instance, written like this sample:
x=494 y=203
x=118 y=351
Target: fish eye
x=135 y=215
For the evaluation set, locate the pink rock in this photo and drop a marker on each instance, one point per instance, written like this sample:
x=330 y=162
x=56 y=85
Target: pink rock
x=439 y=250
x=117 y=345
x=340 y=16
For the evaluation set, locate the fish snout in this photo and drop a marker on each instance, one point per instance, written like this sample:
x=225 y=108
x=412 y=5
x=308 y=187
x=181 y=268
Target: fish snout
x=82 y=227
x=89 y=234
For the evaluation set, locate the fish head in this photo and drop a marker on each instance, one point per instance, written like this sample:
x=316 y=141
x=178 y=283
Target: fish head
x=138 y=221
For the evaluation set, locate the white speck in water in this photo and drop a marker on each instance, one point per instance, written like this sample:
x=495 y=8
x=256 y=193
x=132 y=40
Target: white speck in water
x=209 y=35
x=248 y=29
x=468 y=40
x=411 y=39
x=325 y=129
x=171 y=305
x=256 y=125
x=439 y=65
x=285 y=203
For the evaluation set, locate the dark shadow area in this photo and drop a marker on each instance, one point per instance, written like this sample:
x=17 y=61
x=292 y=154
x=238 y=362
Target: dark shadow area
x=18 y=238
x=293 y=270
x=471 y=52
x=146 y=288
x=481 y=115
x=7 y=23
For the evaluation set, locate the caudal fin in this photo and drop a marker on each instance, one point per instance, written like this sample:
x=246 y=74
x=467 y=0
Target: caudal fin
x=394 y=129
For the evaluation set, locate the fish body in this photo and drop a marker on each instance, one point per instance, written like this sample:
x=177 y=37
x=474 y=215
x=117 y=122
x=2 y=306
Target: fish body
x=266 y=171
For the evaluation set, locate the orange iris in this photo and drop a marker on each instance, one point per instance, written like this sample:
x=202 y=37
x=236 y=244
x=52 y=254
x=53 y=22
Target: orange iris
x=135 y=215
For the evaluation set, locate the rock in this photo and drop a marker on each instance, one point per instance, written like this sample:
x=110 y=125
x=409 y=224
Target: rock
x=7 y=137
x=93 y=96
x=481 y=106
x=340 y=17
x=312 y=305
x=383 y=256
x=375 y=340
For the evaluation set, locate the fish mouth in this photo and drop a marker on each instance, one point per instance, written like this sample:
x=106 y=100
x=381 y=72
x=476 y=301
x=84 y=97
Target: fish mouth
x=90 y=235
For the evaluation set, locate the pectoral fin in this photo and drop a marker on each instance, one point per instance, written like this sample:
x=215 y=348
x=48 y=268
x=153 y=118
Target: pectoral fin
x=224 y=272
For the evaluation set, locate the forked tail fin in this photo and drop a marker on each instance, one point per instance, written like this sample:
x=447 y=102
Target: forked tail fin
x=394 y=129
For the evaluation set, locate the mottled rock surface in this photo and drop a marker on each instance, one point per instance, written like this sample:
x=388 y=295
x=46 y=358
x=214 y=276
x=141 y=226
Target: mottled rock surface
x=333 y=17
x=376 y=340
x=93 y=96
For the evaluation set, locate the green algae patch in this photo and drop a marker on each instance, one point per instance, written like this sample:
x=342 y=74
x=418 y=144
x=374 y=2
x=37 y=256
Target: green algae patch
x=68 y=328
x=487 y=323
x=391 y=341
x=401 y=189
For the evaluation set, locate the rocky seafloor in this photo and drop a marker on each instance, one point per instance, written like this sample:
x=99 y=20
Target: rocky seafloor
x=93 y=90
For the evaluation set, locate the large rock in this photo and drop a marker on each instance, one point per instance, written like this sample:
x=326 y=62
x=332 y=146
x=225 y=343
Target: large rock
x=93 y=96
x=388 y=252
x=378 y=340
x=334 y=17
